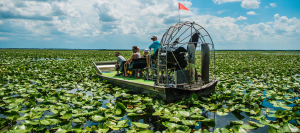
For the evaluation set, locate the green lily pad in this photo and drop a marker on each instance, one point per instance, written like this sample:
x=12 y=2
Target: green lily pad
x=288 y=127
x=98 y=117
x=188 y=122
x=118 y=111
x=175 y=119
x=255 y=124
x=237 y=122
x=221 y=112
x=103 y=128
x=121 y=106
x=67 y=115
x=79 y=120
x=140 y=125
x=122 y=124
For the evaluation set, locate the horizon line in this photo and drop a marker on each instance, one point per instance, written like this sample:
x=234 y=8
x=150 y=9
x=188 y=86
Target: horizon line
x=130 y=49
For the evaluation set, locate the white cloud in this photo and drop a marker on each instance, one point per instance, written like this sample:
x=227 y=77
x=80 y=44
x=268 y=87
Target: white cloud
x=47 y=39
x=250 y=4
x=276 y=16
x=256 y=31
x=96 y=33
x=285 y=26
x=105 y=20
x=273 y=5
x=242 y=18
x=266 y=6
x=225 y=1
x=31 y=10
x=72 y=29
x=251 y=13
x=220 y=12
x=4 y=38
x=64 y=9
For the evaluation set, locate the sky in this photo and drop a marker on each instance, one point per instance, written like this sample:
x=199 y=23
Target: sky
x=120 y=24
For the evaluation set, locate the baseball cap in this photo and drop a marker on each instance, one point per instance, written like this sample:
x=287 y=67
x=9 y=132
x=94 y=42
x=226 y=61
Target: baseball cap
x=146 y=50
x=153 y=37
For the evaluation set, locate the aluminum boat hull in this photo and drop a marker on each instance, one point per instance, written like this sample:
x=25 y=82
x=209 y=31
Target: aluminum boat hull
x=166 y=93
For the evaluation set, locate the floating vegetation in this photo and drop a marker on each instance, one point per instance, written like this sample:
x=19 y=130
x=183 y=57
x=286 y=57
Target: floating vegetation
x=256 y=93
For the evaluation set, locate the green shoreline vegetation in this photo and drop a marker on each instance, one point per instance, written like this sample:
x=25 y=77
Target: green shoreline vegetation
x=60 y=91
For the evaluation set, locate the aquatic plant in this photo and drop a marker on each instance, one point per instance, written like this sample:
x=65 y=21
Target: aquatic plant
x=59 y=91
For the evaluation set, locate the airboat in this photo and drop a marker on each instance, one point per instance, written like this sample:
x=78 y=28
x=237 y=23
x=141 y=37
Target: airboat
x=172 y=75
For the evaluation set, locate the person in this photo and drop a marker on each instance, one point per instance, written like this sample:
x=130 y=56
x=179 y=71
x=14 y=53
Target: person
x=145 y=55
x=133 y=56
x=155 y=46
x=120 y=59
x=138 y=52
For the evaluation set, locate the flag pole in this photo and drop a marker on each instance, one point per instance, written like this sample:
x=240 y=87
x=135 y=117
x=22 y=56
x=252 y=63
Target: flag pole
x=178 y=12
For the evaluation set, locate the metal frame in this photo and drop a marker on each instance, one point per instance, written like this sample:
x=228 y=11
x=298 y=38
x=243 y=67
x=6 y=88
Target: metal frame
x=174 y=33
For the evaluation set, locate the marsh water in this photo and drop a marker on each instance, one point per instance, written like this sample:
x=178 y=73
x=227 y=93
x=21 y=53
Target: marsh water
x=220 y=121
x=238 y=71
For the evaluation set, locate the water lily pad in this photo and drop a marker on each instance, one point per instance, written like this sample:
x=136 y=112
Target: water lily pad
x=132 y=114
x=140 y=125
x=188 y=122
x=98 y=117
x=121 y=106
x=67 y=115
x=35 y=122
x=221 y=112
x=118 y=111
x=112 y=125
x=237 y=122
x=157 y=113
x=13 y=115
x=122 y=124
x=79 y=120
x=175 y=119
x=196 y=110
x=244 y=126
x=288 y=127
x=255 y=124
x=102 y=128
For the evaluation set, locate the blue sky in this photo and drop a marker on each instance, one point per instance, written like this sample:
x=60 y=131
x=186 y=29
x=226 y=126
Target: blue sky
x=119 y=24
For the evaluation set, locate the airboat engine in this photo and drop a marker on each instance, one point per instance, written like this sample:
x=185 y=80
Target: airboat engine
x=176 y=70
x=178 y=60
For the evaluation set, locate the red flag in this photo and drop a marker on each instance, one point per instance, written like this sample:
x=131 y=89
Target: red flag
x=182 y=7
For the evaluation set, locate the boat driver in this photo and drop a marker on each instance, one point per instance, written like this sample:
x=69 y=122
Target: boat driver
x=135 y=55
x=120 y=59
x=155 y=46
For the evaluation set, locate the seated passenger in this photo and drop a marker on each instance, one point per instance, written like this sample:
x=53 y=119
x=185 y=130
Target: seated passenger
x=120 y=59
x=138 y=50
x=135 y=55
x=145 y=55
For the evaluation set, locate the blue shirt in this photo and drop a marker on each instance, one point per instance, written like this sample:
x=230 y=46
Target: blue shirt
x=155 y=45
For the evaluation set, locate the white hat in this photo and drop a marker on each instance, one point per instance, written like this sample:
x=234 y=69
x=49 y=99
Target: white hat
x=146 y=50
